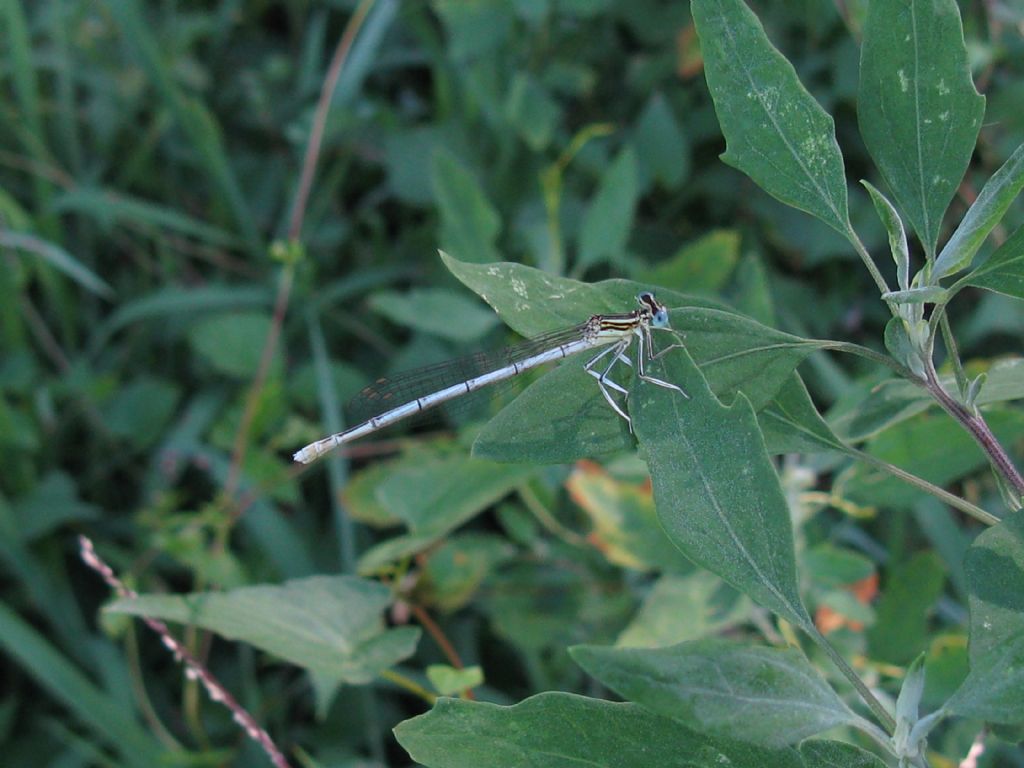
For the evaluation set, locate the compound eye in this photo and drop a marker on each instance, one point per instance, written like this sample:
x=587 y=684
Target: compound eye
x=660 y=318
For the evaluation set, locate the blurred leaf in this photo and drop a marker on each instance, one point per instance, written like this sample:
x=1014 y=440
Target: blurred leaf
x=330 y=625
x=140 y=410
x=608 y=219
x=436 y=495
x=474 y=28
x=775 y=131
x=981 y=218
x=182 y=302
x=109 y=207
x=59 y=259
x=53 y=502
x=469 y=223
x=110 y=717
x=457 y=568
x=767 y=696
x=917 y=107
x=702 y=266
x=546 y=730
x=1003 y=272
x=441 y=312
x=233 y=343
x=926 y=294
x=448 y=680
x=718 y=498
x=408 y=157
x=662 y=150
x=531 y=111
x=626 y=529
x=908 y=596
x=826 y=565
x=680 y=608
x=994 y=688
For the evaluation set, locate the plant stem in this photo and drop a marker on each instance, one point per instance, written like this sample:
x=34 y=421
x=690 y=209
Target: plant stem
x=869 y=698
x=976 y=425
x=940 y=493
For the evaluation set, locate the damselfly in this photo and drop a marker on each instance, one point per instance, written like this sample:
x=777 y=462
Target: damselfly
x=614 y=332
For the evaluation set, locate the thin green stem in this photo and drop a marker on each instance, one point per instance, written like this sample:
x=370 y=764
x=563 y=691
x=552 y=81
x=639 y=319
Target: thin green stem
x=941 y=494
x=870 y=354
x=883 y=717
x=858 y=246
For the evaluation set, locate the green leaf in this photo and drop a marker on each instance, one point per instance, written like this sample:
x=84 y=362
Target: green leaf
x=768 y=696
x=680 y=608
x=109 y=207
x=901 y=630
x=819 y=753
x=448 y=680
x=436 y=495
x=330 y=625
x=559 y=418
x=532 y=302
x=233 y=343
x=439 y=311
x=897 y=236
x=531 y=111
x=926 y=294
x=662 y=150
x=59 y=259
x=141 y=409
x=625 y=525
x=917 y=107
x=702 y=266
x=775 y=131
x=561 y=730
x=609 y=217
x=791 y=424
x=715 y=488
x=737 y=354
x=1003 y=272
x=982 y=217
x=52 y=502
x=994 y=689
x=469 y=223
x=180 y=302
x=106 y=714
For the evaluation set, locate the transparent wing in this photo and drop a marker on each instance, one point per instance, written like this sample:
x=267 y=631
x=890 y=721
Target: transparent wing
x=390 y=392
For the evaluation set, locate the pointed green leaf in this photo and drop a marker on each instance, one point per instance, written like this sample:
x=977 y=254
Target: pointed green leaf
x=983 y=215
x=897 y=236
x=440 y=311
x=994 y=689
x=791 y=424
x=768 y=696
x=715 y=488
x=918 y=110
x=680 y=608
x=561 y=730
x=662 y=149
x=926 y=294
x=59 y=259
x=609 y=217
x=469 y=223
x=737 y=354
x=1003 y=272
x=775 y=131
x=331 y=625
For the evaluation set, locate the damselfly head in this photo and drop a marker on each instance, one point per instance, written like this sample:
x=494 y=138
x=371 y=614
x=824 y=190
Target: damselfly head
x=657 y=311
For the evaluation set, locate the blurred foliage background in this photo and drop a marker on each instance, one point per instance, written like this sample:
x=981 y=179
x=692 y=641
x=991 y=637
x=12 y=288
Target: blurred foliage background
x=179 y=312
